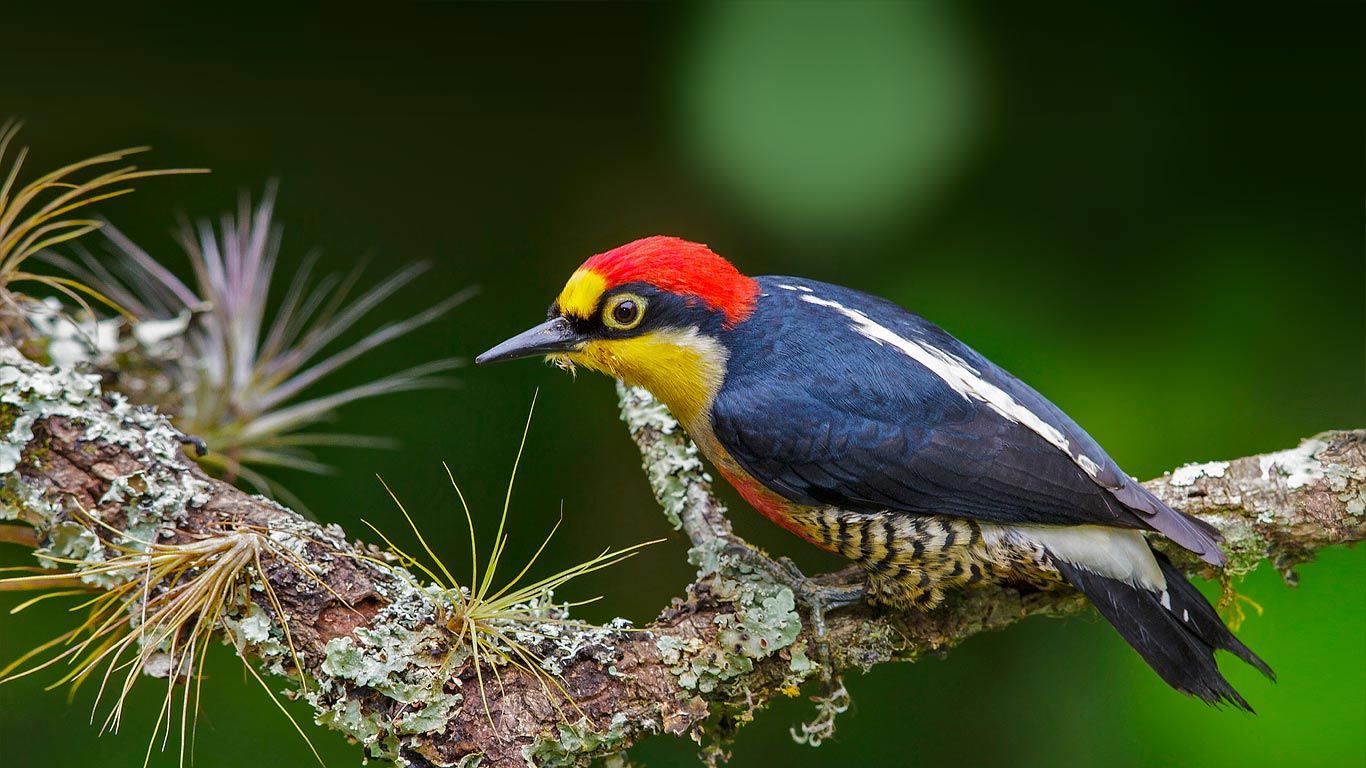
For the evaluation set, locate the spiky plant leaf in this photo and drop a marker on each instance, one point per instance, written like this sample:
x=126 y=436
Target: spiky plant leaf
x=493 y=623
x=44 y=213
x=160 y=609
x=240 y=380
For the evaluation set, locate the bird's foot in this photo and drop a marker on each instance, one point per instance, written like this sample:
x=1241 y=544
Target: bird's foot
x=814 y=594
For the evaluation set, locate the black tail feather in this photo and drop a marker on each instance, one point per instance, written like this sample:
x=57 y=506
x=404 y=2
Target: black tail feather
x=1195 y=610
x=1176 y=632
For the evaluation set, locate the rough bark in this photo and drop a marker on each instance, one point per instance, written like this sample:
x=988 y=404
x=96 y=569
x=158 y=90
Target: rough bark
x=371 y=644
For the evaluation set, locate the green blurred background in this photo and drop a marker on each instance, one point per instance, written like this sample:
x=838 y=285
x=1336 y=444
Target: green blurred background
x=1153 y=213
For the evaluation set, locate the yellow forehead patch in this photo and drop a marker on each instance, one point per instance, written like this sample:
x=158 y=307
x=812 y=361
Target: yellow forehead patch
x=581 y=294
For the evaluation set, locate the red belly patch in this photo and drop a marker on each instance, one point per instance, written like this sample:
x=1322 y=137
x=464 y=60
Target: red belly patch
x=770 y=504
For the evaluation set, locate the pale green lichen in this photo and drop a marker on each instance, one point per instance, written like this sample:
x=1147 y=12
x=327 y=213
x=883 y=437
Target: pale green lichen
x=765 y=620
x=72 y=541
x=1348 y=484
x=403 y=655
x=673 y=465
x=152 y=498
x=1355 y=501
x=406 y=654
x=800 y=663
x=346 y=716
x=69 y=540
x=33 y=392
x=1244 y=546
x=574 y=744
x=250 y=625
x=21 y=500
x=385 y=659
x=756 y=630
x=558 y=643
x=398 y=663
x=1298 y=466
x=1187 y=475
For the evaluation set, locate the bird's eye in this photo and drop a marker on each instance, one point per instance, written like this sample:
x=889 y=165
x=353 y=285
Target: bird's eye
x=624 y=312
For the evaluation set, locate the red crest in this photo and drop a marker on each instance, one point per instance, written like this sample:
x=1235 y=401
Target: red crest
x=682 y=267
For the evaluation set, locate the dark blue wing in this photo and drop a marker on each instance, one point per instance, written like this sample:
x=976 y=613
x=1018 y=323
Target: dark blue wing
x=836 y=397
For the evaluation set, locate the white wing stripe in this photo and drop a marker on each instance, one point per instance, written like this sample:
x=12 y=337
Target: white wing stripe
x=960 y=376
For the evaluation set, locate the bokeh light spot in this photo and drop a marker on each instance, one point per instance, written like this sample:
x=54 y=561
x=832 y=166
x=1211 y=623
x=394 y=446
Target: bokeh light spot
x=829 y=116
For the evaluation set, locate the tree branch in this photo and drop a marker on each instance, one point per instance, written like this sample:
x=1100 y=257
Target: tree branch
x=90 y=474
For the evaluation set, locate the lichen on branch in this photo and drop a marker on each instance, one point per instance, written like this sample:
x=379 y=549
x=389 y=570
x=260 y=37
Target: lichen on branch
x=364 y=640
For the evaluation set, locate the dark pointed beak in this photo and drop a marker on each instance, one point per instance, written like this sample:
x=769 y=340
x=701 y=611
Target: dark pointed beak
x=550 y=337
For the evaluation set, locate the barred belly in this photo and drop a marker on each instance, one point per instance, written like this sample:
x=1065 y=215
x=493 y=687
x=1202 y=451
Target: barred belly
x=913 y=560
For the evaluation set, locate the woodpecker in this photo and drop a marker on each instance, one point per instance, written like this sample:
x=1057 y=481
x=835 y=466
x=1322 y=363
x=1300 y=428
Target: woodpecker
x=874 y=434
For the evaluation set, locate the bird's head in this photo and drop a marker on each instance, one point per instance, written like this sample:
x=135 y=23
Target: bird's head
x=652 y=313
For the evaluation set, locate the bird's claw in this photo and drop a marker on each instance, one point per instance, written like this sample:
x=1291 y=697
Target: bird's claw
x=818 y=599
x=794 y=573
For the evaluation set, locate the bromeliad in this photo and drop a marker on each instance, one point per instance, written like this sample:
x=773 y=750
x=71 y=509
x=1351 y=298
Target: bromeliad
x=874 y=434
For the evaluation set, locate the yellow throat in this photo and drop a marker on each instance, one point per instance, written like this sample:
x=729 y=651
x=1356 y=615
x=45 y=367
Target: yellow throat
x=681 y=367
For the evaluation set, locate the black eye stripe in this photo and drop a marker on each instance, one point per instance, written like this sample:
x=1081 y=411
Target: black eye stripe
x=654 y=309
